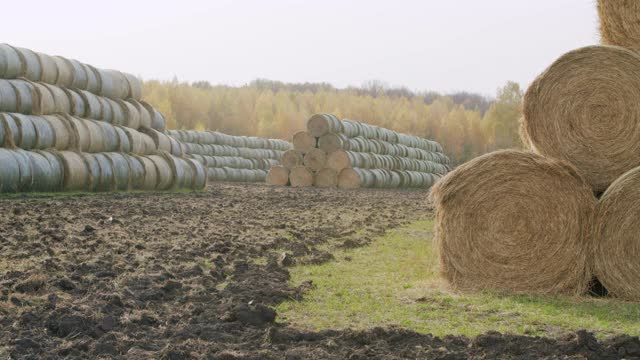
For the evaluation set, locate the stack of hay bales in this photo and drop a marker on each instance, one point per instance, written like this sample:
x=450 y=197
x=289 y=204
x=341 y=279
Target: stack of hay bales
x=232 y=158
x=532 y=222
x=350 y=154
x=68 y=126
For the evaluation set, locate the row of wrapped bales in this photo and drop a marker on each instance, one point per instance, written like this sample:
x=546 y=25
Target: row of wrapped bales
x=558 y=218
x=90 y=123
x=232 y=158
x=218 y=138
x=26 y=97
x=66 y=132
x=49 y=171
x=16 y=62
x=361 y=155
x=236 y=175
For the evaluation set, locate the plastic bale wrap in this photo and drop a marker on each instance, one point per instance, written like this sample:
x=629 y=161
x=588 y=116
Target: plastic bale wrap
x=10 y=174
x=121 y=171
x=150 y=173
x=10 y=64
x=76 y=171
x=164 y=172
x=93 y=165
x=106 y=182
x=136 y=173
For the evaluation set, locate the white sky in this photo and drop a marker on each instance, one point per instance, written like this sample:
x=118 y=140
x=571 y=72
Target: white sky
x=442 y=45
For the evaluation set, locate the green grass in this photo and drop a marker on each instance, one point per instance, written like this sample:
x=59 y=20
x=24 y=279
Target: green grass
x=395 y=281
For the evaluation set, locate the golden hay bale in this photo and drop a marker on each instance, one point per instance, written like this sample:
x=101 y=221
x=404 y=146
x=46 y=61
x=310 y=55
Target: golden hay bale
x=326 y=178
x=315 y=159
x=303 y=141
x=278 y=176
x=300 y=176
x=616 y=237
x=584 y=109
x=292 y=158
x=515 y=221
x=620 y=23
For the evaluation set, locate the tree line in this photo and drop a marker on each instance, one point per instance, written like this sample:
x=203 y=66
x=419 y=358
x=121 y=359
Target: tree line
x=466 y=124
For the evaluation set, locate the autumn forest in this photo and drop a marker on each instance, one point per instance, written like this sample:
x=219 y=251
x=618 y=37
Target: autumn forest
x=466 y=124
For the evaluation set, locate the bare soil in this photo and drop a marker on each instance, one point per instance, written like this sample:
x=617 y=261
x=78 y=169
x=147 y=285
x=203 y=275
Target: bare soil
x=194 y=275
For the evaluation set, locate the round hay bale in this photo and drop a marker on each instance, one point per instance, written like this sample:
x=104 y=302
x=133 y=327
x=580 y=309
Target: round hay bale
x=165 y=173
x=93 y=80
x=11 y=133
x=136 y=173
x=150 y=173
x=278 y=176
x=620 y=23
x=56 y=174
x=158 y=121
x=49 y=69
x=145 y=116
x=176 y=148
x=616 y=237
x=94 y=171
x=121 y=170
x=62 y=103
x=92 y=105
x=326 y=177
x=182 y=172
x=131 y=115
x=96 y=136
x=25 y=96
x=81 y=138
x=80 y=76
x=110 y=137
x=31 y=68
x=26 y=130
x=199 y=174
x=321 y=124
x=339 y=160
x=10 y=64
x=107 y=110
x=123 y=140
x=303 y=141
x=76 y=171
x=584 y=109
x=43 y=102
x=354 y=178
x=113 y=84
x=26 y=171
x=118 y=115
x=137 y=144
x=45 y=133
x=78 y=107
x=300 y=176
x=315 y=159
x=160 y=140
x=106 y=180
x=332 y=142
x=65 y=72
x=8 y=97
x=149 y=144
x=134 y=85
x=10 y=174
x=292 y=158
x=514 y=221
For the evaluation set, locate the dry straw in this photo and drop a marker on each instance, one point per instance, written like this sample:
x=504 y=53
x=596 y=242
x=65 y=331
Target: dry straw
x=584 y=109
x=620 y=23
x=616 y=232
x=514 y=221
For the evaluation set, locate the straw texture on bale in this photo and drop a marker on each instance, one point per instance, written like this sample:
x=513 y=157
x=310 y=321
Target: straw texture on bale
x=315 y=159
x=620 y=23
x=617 y=247
x=584 y=109
x=300 y=176
x=303 y=141
x=517 y=222
x=326 y=178
x=292 y=158
x=278 y=176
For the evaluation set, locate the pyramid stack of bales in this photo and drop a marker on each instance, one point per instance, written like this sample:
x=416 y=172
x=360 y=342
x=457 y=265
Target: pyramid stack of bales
x=68 y=126
x=555 y=219
x=232 y=158
x=350 y=154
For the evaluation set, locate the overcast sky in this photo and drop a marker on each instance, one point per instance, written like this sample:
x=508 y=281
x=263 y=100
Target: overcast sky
x=422 y=44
